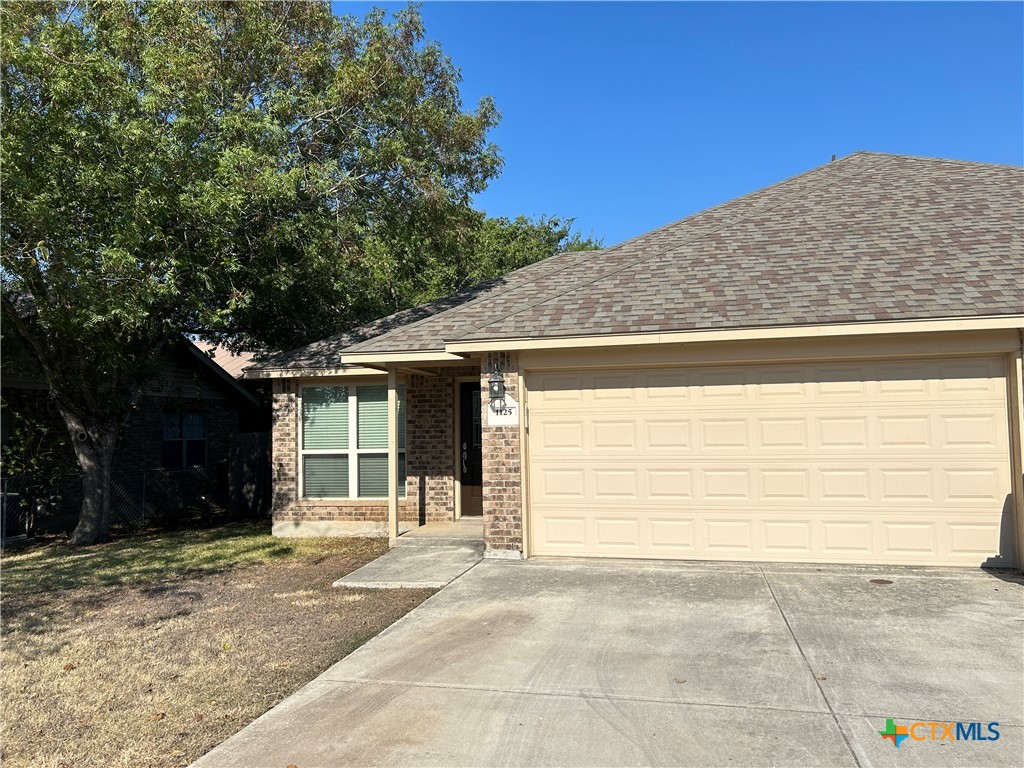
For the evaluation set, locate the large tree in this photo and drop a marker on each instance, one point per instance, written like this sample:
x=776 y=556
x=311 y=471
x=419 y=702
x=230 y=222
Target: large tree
x=232 y=169
x=425 y=264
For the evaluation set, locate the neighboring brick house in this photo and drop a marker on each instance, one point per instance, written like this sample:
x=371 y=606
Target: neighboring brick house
x=186 y=417
x=825 y=370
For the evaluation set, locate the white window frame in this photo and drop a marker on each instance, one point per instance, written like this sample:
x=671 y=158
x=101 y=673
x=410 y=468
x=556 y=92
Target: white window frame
x=353 y=451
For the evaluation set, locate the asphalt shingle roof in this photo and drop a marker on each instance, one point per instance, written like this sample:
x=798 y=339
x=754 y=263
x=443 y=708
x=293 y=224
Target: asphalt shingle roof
x=867 y=238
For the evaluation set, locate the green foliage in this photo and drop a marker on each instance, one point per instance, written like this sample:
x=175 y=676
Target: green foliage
x=413 y=270
x=258 y=173
x=38 y=449
x=215 y=168
x=503 y=245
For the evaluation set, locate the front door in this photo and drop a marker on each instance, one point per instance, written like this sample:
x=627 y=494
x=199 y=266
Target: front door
x=470 y=451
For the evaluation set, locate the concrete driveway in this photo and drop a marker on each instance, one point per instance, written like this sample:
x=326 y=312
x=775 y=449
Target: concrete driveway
x=613 y=663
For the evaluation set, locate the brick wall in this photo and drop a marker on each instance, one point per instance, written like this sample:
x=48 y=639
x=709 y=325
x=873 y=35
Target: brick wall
x=502 y=477
x=141 y=443
x=283 y=447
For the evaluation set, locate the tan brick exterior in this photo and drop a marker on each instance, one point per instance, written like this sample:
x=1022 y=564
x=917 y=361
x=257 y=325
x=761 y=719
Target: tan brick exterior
x=502 y=476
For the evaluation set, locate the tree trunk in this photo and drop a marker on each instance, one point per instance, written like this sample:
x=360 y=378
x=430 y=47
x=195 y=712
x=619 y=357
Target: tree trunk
x=94 y=446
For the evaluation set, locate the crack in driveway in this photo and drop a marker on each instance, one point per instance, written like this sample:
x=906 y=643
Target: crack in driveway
x=810 y=669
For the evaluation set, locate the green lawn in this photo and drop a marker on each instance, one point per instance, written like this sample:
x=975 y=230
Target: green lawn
x=136 y=560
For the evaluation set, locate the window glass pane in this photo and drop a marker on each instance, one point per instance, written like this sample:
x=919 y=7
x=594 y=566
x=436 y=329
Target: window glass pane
x=325 y=477
x=195 y=453
x=324 y=418
x=372 y=417
x=172 y=454
x=194 y=425
x=171 y=426
x=373 y=475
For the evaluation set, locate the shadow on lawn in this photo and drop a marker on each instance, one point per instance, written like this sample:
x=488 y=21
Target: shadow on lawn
x=138 y=559
x=53 y=585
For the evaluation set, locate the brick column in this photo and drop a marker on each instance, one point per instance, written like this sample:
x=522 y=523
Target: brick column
x=502 y=466
x=431 y=449
x=284 y=449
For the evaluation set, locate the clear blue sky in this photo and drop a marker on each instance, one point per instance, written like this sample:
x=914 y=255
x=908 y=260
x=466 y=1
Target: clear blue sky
x=627 y=116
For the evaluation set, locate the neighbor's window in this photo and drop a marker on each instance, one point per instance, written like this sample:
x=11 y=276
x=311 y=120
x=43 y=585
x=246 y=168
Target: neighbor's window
x=184 y=439
x=344 y=448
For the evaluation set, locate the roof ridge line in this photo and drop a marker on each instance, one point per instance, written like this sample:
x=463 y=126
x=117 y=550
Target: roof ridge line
x=649 y=256
x=926 y=158
x=730 y=201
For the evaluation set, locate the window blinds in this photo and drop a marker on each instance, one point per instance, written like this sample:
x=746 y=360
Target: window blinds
x=325 y=418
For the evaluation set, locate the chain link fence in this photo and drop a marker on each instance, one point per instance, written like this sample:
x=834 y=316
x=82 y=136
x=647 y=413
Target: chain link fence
x=139 y=499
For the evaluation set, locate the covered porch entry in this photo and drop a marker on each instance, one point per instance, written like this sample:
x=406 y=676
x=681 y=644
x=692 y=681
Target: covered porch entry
x=443 y=474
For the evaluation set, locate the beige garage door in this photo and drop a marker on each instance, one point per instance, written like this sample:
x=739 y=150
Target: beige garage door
x=857 y=462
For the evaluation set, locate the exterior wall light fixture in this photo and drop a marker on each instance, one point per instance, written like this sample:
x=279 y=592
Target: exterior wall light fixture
x=496 y=387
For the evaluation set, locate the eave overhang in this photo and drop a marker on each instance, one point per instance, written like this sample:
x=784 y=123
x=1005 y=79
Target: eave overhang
x=741 y=334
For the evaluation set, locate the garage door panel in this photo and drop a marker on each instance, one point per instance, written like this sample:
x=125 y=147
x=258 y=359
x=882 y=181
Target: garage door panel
x=615 y=387
x=672 y=435
x=617 y=533
x=971 y=431
x=667 y=385
x=781 y=384
x=971 y=379
x=919 y=484
x=612 y=435
x=730 y=435
x=559 y=436
x=725 y=484
x=564 y=532
x=909 y=539
x=785 y=485
x=669 y=534
x=561 y=484
x=842 y=433
x=851 y=462
x=615 y=484
x=904 y=431
x=782 y=433
x=847 y=539
x=984 y=485
x=669 y=484
x=729 y=536
x=788 y=537
x=844 y=485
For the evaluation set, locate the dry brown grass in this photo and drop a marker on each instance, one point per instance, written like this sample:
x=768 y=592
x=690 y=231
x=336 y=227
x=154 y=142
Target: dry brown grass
x=154 y=667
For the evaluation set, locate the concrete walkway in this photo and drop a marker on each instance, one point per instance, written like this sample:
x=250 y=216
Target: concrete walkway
x=428 y=557
x=614 y=664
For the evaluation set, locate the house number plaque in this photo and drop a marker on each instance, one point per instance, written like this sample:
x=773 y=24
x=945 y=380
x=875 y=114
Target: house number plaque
x=506 y=416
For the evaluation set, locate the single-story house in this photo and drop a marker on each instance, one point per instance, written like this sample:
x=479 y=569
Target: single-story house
x=186 y=416
x=174 y=452
x=824 y=370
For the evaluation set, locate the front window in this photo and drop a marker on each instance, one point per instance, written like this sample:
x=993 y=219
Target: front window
x=184 y=439
x=344 y=445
